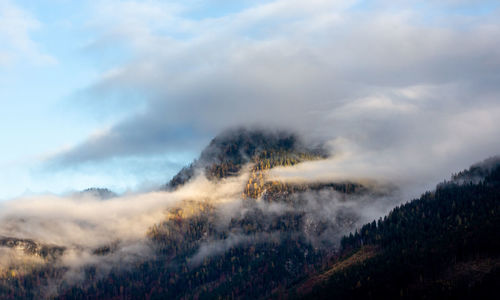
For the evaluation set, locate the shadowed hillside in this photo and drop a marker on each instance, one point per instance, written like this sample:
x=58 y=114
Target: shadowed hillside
x=232 y=232
x=444 y=245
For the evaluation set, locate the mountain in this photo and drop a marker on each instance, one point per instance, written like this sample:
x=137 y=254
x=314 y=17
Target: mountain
x=99 y=193
x=230 y=151
x=444 y=245
x=237 y=232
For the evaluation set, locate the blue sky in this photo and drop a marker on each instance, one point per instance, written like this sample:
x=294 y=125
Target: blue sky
x=123 y=93
x=45 y=97
x=44 y=100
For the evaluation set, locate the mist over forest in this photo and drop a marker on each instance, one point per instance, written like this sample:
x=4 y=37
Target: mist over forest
x=325 y=149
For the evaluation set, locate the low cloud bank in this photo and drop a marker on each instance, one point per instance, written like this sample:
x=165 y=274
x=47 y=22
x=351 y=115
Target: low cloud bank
x=110 y=233
x=93 y=232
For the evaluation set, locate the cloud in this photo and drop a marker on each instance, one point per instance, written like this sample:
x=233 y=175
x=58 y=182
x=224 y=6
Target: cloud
x=398 y=84
x=112 y=235
x=16 y=43
x=88 y=222
x=322 y=217
x=142 y=136
x=82 y=223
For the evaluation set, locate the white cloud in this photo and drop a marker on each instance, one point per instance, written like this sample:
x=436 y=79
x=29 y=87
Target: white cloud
x=389 y=81
x=16 y=44
x=81 y=223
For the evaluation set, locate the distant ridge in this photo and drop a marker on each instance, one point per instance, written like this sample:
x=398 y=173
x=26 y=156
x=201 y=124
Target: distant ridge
x=100 y=193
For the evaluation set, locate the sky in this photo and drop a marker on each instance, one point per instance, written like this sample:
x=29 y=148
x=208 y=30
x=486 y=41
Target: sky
x=122 y=94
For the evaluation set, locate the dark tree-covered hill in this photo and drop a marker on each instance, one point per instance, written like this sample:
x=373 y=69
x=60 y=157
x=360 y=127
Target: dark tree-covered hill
x=277 y=239
x=444 y=245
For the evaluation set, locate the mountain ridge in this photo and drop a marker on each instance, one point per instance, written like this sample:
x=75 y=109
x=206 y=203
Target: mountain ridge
x=228 y=152
x=277 y=239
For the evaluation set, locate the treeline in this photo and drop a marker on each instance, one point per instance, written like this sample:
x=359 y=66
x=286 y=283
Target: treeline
x=277 y=191
x=253 y=256
x=446 y=244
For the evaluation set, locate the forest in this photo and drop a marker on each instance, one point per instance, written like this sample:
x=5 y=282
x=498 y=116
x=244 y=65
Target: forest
x=276 y=244
x=444 y=245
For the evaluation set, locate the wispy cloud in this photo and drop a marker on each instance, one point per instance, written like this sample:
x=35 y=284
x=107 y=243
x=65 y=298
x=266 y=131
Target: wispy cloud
x=82 y=223
x=16 y=44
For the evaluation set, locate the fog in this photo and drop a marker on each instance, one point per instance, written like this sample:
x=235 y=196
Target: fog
x=84 y=223
x=401 y=98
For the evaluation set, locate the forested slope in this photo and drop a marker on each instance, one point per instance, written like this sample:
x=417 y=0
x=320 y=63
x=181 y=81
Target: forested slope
x=278 y=239
x=446 y=244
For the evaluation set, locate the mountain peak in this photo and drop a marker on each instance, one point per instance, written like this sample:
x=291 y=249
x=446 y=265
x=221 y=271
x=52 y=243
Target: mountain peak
x=229 y=151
